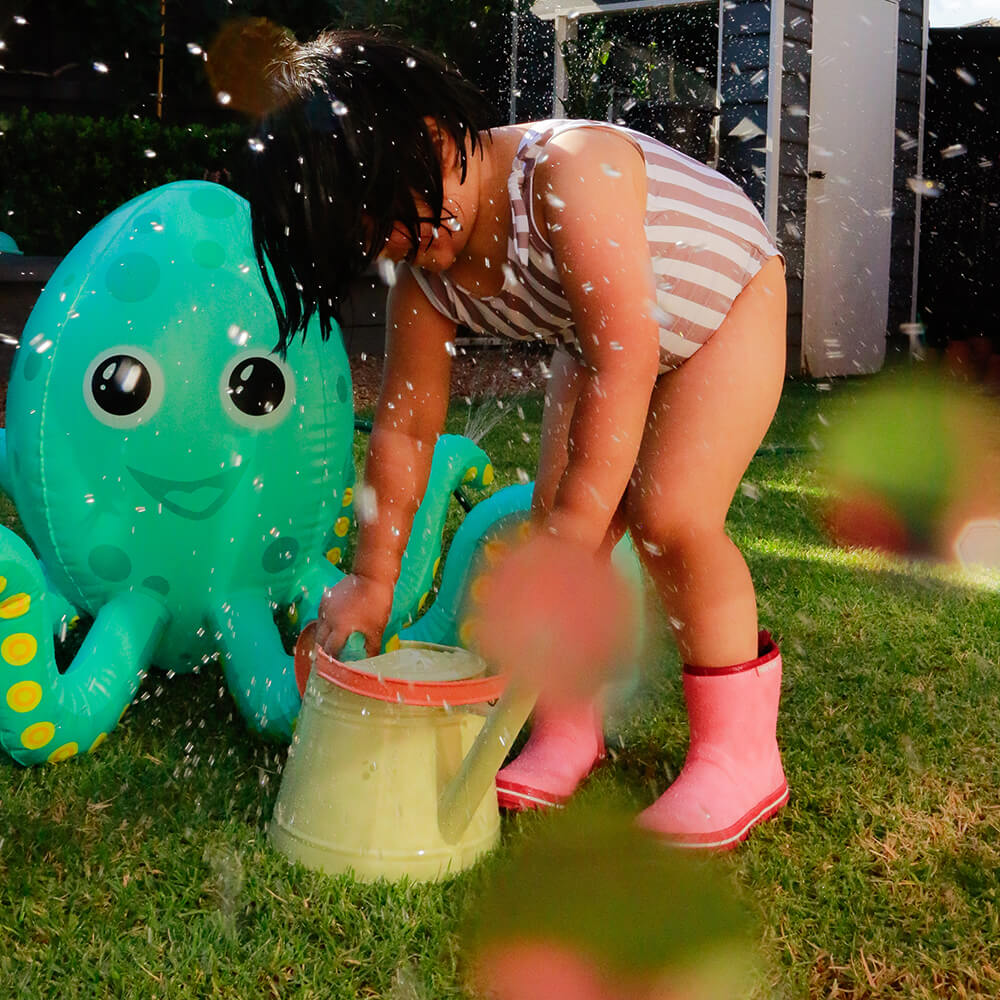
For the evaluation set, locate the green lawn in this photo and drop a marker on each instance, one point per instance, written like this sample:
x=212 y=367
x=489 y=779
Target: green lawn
x=143 y=871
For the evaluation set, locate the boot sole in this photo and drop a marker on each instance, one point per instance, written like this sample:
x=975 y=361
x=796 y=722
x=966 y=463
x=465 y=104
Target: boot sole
x=515 y=797
x=728 y=838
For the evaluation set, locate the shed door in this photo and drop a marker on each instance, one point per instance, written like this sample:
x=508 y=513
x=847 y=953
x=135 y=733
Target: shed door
x=849 y=198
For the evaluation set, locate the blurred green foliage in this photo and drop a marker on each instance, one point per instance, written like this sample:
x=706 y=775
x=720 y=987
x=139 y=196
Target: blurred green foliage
x=62 y=172
x=66 y=172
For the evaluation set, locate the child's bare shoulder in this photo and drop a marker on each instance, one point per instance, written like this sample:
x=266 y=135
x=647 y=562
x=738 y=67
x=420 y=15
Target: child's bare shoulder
x=600 y=158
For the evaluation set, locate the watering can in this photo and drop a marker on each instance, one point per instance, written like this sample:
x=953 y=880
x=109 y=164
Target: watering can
x=391 y=769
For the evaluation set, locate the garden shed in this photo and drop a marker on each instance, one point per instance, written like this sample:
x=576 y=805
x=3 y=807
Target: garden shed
x=814 y=106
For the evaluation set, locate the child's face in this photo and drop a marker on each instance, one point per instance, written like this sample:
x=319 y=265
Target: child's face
x=440 y=245
x=437 y=250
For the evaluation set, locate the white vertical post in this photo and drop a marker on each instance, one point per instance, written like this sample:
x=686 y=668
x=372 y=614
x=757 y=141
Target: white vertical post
x=565 y=32
x=925 y=41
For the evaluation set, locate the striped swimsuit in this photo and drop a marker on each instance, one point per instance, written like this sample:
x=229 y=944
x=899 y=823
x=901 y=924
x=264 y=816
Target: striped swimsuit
x=705 y=236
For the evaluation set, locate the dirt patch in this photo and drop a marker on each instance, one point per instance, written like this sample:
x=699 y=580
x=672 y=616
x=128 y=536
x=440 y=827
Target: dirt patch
x=509 y=370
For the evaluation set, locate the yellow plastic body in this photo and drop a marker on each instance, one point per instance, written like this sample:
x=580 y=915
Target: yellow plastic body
x=361 y=789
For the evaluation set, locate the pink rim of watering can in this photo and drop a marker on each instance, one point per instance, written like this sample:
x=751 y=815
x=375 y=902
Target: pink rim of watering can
x=467 y=691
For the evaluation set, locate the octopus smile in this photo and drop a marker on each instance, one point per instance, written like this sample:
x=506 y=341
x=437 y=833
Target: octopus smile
x=194 y=499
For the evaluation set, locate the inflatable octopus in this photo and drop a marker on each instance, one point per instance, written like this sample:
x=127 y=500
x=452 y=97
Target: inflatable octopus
x=181 y=484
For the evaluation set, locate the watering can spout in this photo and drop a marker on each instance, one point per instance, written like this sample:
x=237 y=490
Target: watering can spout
x=460 y=798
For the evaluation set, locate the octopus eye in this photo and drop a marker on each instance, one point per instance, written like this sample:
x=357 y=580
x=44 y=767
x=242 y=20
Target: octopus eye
x=121 y=385
x=257 y=390
x=256 y=386
x=124 y=387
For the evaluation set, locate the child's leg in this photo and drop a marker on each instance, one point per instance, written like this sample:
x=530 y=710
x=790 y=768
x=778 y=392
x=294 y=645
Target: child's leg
x=706 y=421
x=566 y=739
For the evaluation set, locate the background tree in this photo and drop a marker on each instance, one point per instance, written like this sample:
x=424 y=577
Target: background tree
x=110 y=49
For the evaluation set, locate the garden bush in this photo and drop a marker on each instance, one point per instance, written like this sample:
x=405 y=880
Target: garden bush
x=64 y=173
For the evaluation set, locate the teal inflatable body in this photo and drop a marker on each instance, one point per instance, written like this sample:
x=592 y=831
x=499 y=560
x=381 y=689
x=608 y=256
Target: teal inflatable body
x=179 y=482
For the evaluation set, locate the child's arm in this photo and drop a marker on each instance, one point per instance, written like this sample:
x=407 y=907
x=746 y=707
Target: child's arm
x=409 y=417
x=592 y=190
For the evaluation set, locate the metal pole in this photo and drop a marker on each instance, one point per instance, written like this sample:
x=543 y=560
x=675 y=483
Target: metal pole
x=717 y=120
x=772 y=141
x=159 y=79
x=514 y=41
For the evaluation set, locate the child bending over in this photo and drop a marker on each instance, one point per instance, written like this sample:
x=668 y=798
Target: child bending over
x=663 y=295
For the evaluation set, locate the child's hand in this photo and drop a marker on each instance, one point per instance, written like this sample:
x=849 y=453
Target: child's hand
x=356 y=604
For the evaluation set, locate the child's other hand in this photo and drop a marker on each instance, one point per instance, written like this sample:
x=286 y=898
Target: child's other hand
x=356 y=604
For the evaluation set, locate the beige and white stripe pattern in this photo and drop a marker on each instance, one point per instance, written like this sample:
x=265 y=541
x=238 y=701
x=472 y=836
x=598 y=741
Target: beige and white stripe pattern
x=706 y=240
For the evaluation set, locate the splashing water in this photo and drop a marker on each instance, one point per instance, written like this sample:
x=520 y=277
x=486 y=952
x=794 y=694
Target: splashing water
x=482 y=418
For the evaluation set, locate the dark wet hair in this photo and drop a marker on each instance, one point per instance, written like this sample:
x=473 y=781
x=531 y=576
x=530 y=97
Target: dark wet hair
x=338 y=160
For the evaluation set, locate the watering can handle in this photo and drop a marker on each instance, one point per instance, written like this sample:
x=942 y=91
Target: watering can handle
x=460 y=798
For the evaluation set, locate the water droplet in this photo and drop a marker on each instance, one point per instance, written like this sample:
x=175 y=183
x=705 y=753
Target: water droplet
x=411 y=63
x=365 y=504
x=339 y=108
x=386 y=271
x=745 y=130
x=924 y=186
x=663 y=319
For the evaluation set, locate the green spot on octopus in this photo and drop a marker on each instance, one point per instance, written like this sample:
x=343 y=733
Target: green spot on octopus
x=109 y=563
x=280 y=554
x=208 y=254
x=132 y=277
x=213 y=201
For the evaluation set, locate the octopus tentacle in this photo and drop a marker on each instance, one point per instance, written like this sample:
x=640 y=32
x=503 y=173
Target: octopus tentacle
x=6 y=480
x=457 y=461
x=259 y=673
x=488 y=518
x=48 y=716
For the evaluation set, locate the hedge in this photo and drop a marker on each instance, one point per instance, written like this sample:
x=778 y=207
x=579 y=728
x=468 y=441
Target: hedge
x=61 y=174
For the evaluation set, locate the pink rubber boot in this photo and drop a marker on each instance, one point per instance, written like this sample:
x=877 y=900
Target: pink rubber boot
x=732 y=778
x=565 y=745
